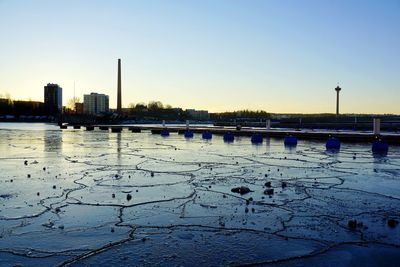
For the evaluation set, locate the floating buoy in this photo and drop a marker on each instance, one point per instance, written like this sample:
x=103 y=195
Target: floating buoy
x=379 y=146
x=229 y=137
x=290 y=141
x=332 y=143
x=207 y=135
x=188 y=134
x=164 y=132
x=256 y=139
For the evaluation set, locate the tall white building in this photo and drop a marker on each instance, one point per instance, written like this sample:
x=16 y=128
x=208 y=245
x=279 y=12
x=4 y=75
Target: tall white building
x=95 y=103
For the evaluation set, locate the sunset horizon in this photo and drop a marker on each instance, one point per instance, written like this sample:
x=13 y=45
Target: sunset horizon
x=277 y=56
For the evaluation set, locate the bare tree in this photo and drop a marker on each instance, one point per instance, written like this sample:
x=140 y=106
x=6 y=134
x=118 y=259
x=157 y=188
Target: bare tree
x=71 y=102
x=155 y=105
x=141 y=105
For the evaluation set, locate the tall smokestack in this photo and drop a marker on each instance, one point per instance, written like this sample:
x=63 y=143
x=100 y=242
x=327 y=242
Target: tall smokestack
x=119 y=104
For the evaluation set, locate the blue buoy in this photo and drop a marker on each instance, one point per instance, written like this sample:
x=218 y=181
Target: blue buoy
x=256 y=139
x=332 y=143
x=207 y=135
x=229 y=137
x=188 y=134
x=380 y=147
x=290 y=141
x=164 y=132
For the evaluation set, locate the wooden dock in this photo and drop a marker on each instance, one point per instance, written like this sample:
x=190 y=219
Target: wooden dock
x=301 y=134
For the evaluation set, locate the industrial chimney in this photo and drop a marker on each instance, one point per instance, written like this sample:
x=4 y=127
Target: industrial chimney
x=119 y=104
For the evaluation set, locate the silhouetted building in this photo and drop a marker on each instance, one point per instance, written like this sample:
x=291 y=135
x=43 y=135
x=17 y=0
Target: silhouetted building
x=6 y=106
x=53 y=99
x=198 y=114
x=79 y=108
x=95 y=103
x=28 y=108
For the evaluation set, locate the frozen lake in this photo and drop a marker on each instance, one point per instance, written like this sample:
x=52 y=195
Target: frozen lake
x=98 y=198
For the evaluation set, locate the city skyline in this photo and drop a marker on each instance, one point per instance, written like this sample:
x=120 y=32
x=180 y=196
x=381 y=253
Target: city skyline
x=277 y=56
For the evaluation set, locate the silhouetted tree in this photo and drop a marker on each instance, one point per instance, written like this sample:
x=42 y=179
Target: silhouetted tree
x=155 y=105
x=140 y=106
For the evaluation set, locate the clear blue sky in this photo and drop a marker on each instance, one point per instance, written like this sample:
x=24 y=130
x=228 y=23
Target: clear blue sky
x=279 y=56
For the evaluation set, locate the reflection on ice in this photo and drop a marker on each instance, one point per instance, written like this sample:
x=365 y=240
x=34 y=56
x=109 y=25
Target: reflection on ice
x=63 y=199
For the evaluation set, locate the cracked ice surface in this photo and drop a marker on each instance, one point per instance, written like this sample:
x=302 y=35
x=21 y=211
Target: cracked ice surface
x=64 y=201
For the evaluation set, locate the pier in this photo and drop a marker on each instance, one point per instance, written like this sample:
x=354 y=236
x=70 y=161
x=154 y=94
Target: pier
x=392 y=138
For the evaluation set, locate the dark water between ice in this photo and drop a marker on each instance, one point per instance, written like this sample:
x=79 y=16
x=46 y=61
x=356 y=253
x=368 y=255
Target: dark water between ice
x=63 y=201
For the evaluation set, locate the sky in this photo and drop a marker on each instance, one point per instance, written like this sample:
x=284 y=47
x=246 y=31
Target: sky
x=281 y=56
